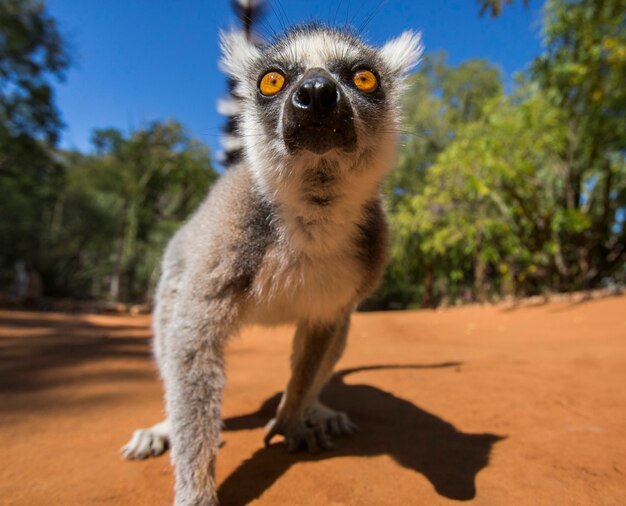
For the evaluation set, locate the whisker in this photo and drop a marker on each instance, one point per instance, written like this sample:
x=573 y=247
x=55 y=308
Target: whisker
x=371 y=16
x=282 y=9
x=280 y=20
x=337 y=11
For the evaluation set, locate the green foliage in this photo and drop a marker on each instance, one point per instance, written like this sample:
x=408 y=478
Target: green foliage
x=490 y=197
x=583 y=72
x=139 y=189
x=440 y=100
x=32 y=53
x=514 y=195
x=102 y=232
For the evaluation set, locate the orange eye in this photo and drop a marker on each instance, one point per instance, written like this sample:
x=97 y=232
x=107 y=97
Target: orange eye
x=271 y=83
x=365 y=81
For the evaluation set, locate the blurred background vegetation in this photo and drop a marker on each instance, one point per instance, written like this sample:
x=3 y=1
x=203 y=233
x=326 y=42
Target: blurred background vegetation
x=495 y=194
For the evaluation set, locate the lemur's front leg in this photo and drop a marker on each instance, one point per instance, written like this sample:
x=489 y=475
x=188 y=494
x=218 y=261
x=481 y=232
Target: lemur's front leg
x=194 y=377
x=301 y=418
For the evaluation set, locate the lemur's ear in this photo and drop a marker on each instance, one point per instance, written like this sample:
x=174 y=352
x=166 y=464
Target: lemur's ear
x=403 y=53
x=237 y=53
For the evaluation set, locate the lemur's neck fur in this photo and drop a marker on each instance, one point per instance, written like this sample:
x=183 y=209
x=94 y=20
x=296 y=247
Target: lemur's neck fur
x=320 y=201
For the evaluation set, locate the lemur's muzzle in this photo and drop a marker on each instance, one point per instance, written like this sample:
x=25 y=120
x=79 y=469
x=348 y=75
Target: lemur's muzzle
x=318 y=116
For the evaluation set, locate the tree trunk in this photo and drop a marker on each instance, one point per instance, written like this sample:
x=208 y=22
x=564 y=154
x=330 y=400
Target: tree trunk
x=429 y=278
x=116 y=275
x=480 y=287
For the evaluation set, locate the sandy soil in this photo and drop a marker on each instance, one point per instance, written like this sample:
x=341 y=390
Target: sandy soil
x=485 y=405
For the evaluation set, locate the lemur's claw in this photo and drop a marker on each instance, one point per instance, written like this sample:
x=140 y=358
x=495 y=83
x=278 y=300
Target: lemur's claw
x=299 y=435
x=314 y=432
x=335 y=423
x=340 y=425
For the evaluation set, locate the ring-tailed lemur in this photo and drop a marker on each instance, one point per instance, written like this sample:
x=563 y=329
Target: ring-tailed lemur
x=293 y=231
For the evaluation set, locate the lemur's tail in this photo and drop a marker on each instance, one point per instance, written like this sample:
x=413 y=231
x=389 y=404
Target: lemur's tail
x=248 y=12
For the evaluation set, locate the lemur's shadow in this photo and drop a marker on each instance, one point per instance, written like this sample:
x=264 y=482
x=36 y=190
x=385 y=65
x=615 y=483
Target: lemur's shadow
x=416 y=439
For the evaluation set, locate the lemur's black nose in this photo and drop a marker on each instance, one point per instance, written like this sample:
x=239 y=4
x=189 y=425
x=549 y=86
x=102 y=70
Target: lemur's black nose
x=318 y=116
x=317 y=93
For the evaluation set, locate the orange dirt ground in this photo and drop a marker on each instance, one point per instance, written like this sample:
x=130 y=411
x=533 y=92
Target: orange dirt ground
x=483 y=405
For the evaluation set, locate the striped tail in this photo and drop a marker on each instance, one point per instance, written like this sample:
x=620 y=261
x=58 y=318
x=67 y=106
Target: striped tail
x=248 y=12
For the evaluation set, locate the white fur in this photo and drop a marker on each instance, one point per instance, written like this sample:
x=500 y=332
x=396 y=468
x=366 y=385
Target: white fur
x=237 y=52
x=231 y=142
x=301 y=286
x=228 y=107
x=404 y=52
x=148 y=442
x=316 y=49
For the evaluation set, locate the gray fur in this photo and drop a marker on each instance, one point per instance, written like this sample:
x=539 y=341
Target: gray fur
x=282 y=237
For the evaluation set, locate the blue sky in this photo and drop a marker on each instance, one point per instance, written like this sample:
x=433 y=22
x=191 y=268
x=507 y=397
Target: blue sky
x=141 y=60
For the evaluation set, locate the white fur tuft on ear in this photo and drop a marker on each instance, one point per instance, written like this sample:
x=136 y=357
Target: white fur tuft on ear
x=237 y=53
x=404 y=52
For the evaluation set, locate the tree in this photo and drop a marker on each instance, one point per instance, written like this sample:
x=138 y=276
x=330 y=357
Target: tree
x=146 y=184
x=440 y=100
x=32 y=54
x=489 y=208
x=516 y=194
x=583 y=72
x=105 y=225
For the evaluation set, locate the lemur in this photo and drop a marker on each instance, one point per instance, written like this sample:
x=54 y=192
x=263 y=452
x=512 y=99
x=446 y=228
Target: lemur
x=293 y=231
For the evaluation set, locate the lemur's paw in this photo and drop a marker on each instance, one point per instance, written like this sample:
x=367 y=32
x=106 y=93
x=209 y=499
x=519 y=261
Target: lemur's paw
x=335 y=423
x=145 y=443
x=299 y=435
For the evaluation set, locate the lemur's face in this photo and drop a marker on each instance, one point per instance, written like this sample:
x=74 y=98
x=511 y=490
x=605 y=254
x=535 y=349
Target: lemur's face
x=317 y=91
